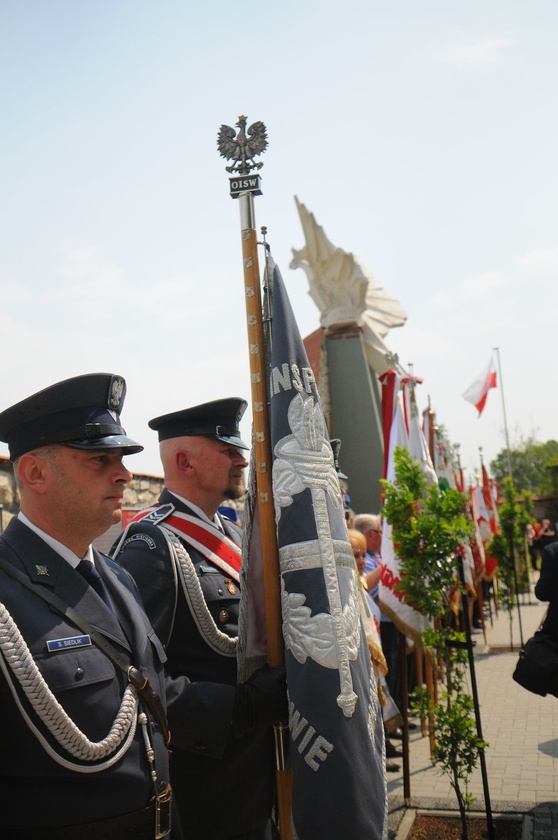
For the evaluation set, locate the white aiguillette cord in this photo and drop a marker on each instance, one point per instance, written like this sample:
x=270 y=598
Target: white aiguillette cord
x=133 y=675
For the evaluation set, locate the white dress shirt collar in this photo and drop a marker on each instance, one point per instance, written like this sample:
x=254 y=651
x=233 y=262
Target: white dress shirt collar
x=57 y=546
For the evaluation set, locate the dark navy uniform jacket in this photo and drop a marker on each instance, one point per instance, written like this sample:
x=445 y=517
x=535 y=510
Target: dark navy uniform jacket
x=223 y=785
x=546 y=588
x=35 y=791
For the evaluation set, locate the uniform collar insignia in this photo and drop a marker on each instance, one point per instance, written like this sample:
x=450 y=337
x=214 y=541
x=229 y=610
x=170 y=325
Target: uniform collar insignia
x=159 y=513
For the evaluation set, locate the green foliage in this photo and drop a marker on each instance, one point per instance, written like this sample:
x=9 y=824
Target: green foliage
x=531 y=466
x=457 y=744
x=428 y=526
x=508 y=547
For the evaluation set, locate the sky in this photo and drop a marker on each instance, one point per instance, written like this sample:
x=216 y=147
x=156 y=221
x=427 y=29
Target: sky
x=423 y=138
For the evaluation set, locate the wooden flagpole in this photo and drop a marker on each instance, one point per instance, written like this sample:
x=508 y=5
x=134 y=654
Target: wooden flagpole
x=245 y=187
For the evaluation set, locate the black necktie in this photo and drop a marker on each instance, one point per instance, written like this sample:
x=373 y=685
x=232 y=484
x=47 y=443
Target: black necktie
x=88 y=571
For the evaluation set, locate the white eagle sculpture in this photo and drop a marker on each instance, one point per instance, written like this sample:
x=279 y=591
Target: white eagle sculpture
x=345 y=292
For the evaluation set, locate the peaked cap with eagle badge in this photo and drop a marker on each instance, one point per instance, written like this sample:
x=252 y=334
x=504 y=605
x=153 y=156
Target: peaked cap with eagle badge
x=218 y=419
x=82 y=412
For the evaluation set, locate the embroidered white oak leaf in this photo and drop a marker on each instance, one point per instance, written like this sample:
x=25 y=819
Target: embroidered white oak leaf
x=304 y=459
x=286 y=484
x=307 y=423
x=313 y=636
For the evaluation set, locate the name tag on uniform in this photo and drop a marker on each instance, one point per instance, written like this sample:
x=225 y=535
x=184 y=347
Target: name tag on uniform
x=69 y=643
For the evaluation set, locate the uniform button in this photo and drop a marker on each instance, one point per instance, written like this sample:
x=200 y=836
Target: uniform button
x=79 y=674
x=220 y=591
x=223 y=616
x=200 y=747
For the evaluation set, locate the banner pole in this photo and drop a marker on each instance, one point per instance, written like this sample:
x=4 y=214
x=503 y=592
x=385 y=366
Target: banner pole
x=245 y=187
x=261 y=442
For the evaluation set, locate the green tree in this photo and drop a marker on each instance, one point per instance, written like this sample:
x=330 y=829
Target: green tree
x=508 y=547
x=428 y=527
x=457 y=746
x=531 y=466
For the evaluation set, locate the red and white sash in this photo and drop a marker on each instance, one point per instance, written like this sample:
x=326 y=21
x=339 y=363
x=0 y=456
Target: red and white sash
x=204 y=537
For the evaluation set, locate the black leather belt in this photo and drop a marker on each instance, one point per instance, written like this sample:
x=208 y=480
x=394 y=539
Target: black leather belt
x=139 y=825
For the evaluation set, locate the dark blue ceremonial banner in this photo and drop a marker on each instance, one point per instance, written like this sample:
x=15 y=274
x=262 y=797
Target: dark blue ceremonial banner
x=335 y=720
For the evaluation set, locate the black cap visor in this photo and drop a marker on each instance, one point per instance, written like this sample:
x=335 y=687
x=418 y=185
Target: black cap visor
x=128 y=446
x=234 y=440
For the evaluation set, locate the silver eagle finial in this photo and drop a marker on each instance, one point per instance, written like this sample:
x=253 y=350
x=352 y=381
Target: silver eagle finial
x=241 y=148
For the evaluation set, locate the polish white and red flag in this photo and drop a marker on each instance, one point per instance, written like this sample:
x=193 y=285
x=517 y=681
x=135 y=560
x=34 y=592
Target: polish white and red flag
x=478 y=391
x=396 y=434
x=490 y=501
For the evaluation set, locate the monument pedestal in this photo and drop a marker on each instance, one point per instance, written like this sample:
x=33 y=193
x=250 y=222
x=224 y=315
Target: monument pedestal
x=355 y=416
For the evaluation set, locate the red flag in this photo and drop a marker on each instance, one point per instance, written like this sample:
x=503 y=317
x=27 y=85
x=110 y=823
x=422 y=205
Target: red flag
x=488 y=494
x=477 y=544
x=460 y=480
x=478 y=391
x=390 y=389
x=485 y=518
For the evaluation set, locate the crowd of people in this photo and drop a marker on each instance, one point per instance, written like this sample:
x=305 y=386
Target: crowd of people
x=539 y=536
x=122 y=713
x=365 y=533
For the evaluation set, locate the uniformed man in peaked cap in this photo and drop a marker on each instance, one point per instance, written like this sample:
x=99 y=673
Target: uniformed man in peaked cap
x=82 y=722
x=185 y=558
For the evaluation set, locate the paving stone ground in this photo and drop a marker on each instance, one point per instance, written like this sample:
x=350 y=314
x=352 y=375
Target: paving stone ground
x=521 y=729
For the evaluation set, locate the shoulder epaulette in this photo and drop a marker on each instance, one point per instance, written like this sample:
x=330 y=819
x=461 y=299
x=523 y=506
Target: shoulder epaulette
x=157 y=515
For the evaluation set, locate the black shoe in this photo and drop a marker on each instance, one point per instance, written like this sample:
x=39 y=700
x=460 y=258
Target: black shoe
x=392 y=767
x=392 y=751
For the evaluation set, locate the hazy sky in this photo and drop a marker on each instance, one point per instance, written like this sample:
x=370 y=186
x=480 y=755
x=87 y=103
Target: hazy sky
x=423 y=136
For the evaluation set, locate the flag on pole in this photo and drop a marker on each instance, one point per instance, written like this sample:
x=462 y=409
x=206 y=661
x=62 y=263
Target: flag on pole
x=487 y=492
x=478 y=391
x=482 y=516
x=493 y=521
x=477 y=545
x=337 y=741
x=418 y=446
x=408 y=620
x=460 y=479
x=443 y=463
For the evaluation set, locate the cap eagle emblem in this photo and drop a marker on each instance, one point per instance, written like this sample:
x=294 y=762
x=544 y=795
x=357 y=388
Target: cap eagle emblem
x=117 y=391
